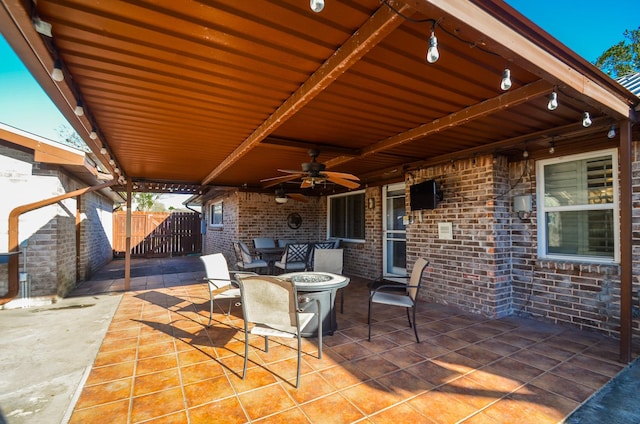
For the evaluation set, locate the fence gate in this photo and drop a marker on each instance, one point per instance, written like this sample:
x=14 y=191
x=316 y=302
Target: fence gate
x=157 y=234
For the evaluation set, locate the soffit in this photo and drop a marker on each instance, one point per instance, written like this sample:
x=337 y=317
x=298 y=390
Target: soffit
x=228 y=93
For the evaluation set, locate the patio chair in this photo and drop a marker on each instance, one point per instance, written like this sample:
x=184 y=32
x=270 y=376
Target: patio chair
x=221 y=286
x=260 y=242
x=330 y=260
x=246 y=261
x=294 y=258
x=388 y=294
x=271 y=305
x=284 y=242
x=319 y=245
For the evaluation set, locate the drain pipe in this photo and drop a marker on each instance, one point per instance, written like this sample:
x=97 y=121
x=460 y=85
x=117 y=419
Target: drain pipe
x=14 y=239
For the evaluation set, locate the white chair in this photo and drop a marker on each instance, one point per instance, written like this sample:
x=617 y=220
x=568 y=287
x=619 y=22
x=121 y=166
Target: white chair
x=221 y=286
x=294 y=258
x=388 y=294
x=271 y=305
x=330 y=260
x=245 y=261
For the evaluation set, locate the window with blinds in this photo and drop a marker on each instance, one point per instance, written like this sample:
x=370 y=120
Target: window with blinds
x=579 y=208
x=346 y=216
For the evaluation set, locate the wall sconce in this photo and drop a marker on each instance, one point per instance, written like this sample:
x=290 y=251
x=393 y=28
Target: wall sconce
x=522 y=205
x=371 y=203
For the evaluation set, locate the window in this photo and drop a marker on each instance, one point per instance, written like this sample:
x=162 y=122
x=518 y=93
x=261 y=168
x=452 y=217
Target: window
x=346 y=216
x=215 y=214
x=577 y=207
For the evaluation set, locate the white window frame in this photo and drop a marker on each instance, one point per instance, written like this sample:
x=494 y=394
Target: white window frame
x=212 y=207
x=351 y=193
x=542 y=209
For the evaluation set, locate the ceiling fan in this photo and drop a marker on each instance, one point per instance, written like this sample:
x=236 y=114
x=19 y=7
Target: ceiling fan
x=282 y=197
x=314 y=173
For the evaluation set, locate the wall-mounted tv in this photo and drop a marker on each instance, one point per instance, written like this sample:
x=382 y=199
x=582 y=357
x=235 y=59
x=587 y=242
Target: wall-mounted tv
x=423 y=195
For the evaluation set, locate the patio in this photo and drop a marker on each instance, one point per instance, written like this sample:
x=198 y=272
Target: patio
x=159 y=363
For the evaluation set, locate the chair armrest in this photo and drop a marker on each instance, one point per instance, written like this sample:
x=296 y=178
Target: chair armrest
x=233 y=275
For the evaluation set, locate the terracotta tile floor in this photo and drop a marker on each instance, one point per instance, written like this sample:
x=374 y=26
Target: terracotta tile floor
x=159 y=363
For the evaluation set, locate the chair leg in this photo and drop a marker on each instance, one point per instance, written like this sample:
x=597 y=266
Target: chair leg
x=210 y=309
x=298 y=370
x=369 y=318
x=246 y=350
x=342 y=300
x=415 y=327
x=408 y=318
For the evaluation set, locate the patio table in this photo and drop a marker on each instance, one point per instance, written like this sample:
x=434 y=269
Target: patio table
x=322 y=286
x=271 y=255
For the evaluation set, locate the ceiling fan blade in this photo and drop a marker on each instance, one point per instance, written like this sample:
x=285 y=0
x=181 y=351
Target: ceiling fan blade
x=343 y=182
x=342 y=175
x=279 y=180
x=290 y=171
x=298 y=196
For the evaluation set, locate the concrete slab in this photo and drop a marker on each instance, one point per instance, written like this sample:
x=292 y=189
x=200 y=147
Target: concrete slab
x=617 y=402
x=46 y=353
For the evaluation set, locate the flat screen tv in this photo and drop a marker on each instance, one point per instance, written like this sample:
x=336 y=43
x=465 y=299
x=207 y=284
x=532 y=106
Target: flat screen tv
x=423 y=195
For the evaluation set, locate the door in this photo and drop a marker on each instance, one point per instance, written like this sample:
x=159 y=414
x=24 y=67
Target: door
x=394 y=231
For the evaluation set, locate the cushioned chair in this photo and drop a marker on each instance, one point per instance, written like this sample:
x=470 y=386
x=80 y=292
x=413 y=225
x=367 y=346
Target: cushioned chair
x=260 y=242
x=271 y=305
x=294 y=258
x=284 y=242
x=318 y=245
x=330 y=260
x=388 y=294
x=245 y=260
x=221 y=285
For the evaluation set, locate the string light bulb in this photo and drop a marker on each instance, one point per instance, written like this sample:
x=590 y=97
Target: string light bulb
x=505 y=84
x=112 y=162
x=612 y=132
x=316 y=5
x=79 y=110
x=57 y=74
x=552 y=148
x=553 y=101
x=433 y=54
x=525 y=153
x=103 y=151
x=93 y=135
x=586 y=120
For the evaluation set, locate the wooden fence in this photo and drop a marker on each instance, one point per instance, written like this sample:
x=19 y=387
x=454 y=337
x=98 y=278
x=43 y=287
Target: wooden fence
x=157 y=234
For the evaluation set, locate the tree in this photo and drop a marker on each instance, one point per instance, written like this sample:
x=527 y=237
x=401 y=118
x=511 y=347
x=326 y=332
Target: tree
x=145 y=201
x=70 y=137
x=623 y=58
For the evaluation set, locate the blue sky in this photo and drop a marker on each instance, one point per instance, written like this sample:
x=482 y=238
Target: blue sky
x=586 y=26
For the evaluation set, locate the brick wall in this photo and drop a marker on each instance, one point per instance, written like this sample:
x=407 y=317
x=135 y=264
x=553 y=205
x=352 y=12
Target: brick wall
x=248 y=215
x=49 y=232
x=365 y=259
x=471 y=270
x=586 y=295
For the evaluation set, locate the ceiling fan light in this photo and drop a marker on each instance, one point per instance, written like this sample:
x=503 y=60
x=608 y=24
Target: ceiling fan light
x=281 y=200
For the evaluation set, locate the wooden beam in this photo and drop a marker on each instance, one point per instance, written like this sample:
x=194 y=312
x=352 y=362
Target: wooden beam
x=373 y=31
x=479 y=110
x=626 y=241
x=533 y=57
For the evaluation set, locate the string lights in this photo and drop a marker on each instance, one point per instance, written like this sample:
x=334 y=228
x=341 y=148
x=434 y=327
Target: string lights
x=432 y=53
x=316 y=5
x=612 y=132
x=56 y=74
x=586 y=120
x=505 y=83
x=553 y=100
x=79 y=110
